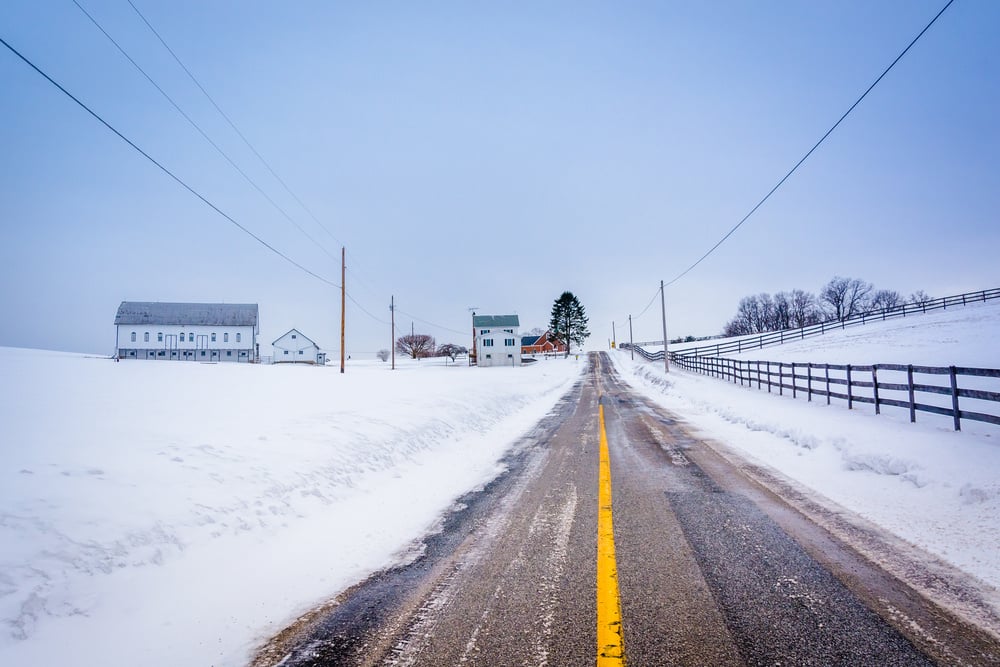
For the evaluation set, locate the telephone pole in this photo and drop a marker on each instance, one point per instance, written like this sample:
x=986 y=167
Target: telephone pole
x=392 y=346
x=614 y=339
x=631 y=346
x=663 y=310
x=343 y=303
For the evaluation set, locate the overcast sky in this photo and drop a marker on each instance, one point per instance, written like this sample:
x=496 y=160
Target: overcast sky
x=489 y=155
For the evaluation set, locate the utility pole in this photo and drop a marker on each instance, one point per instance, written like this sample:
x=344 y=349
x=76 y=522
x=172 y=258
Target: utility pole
x=343 y=303
x=392 y=309
x=663 y=310
x=473 y=357
x=614 y=339
x=631 y=346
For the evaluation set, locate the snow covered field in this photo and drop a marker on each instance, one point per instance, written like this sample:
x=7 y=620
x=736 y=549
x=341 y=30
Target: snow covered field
x=168 y=513
x=933 y=487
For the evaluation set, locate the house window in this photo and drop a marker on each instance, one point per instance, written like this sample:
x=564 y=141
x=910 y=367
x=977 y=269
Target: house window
x=293 y=336
x=286 y=351
x=145 y=337
x=510 y=356
x=509 y=342
x=133 y=336
x=483 y=332
x=203 y=353
x=510 y=331
x=489 y=356
x=238 y=336
x=300 y=351
x=225 y=337
x=229 y=353
x=213 y=337
x=487 y=342
x=159 y=337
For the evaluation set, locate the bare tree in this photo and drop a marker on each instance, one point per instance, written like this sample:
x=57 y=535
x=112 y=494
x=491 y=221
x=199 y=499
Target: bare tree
x=804 y=310
x=382 y=355
x=782 y=317
x=846 y=297
x=920 y=298
x=417 y=346
x=451 y=350
x=885 y=299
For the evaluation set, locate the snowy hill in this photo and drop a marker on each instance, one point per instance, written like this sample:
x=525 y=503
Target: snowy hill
x=169 y=513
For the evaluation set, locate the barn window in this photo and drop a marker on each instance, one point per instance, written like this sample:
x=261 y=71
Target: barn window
x=300 y=351
x=225 y=337
x=238 y=336
x=213 y=337
x=145 y=337
x=159 y=337
x=293 y=335
x=229 y=353
x=133 y=336
x=286 y=351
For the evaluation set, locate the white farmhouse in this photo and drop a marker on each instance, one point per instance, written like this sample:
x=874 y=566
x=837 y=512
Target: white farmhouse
x=187 y=331
x=294 y=348
x=497 y=342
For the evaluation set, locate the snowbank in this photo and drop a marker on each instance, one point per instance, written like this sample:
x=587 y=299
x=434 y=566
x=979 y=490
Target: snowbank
x=165 y=513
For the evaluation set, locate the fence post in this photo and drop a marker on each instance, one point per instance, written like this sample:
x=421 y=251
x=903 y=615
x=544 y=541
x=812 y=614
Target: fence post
x=781 y=379
x=954 y=398
x=793 y=380
x=809 y=382
x=850 y=393
x=875 y=386
x=758 y=375
x=828 y=384
x=909 y=386
x=769 y=377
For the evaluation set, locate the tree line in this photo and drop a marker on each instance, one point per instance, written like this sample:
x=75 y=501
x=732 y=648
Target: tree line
x=839 y=299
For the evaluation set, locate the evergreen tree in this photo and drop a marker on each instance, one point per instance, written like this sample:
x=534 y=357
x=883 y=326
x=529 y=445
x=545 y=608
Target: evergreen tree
x=569 y=321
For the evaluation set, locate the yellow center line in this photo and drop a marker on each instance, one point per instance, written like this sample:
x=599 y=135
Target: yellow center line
x=610 y=646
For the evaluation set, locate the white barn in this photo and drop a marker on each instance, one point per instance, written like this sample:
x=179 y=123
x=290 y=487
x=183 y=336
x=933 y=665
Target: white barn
x=187 y=331
x=497 y=342
x=295 y=348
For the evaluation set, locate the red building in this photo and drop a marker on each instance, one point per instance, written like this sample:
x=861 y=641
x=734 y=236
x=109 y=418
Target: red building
x=543 y=344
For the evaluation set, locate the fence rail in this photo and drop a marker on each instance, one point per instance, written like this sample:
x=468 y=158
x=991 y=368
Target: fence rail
x=895 y=385
x=789 y=335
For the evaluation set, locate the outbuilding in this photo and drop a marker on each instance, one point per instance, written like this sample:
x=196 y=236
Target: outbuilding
x=295 y=348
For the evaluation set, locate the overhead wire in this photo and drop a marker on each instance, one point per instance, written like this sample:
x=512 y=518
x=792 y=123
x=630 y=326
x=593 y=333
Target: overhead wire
x=202 y=132
x=811 y=150
x=164 y=169
x=232 y=124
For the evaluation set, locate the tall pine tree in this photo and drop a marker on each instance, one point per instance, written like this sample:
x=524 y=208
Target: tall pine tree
x=569 y=321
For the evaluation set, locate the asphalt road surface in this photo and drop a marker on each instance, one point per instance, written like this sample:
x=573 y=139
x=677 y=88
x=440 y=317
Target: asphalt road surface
x=713 y=568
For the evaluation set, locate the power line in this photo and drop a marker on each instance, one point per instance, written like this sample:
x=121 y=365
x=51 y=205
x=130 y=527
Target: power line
x=233 y=125
x=651 y=299
x=365 y=311
x=436 y=326
x=202 y=132
x=822 y=139
x=164 y=169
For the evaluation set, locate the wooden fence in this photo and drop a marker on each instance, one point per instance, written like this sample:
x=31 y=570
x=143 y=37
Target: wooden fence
x=789 y=335
x=895 y=385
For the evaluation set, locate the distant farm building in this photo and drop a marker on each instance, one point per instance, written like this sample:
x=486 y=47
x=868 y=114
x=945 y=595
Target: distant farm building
x=294 y=348
x=187 y=331
x=497 y=342
x=544 y=344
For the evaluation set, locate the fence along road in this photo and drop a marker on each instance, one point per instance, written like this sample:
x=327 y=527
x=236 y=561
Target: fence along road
x=711 y=567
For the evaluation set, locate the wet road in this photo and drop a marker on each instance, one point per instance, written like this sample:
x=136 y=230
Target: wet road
x=712 y=568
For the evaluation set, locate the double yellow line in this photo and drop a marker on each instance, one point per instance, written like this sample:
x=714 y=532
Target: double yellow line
x=610 y=646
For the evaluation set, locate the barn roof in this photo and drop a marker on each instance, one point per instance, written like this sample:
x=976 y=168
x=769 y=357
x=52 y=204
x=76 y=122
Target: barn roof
x=495 y=321
x=218 y=314
x=529 y=340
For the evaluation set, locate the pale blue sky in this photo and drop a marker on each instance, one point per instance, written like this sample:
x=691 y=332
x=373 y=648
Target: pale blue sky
x=491 y=155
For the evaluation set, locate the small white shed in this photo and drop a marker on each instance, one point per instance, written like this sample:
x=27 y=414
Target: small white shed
x=295 y=348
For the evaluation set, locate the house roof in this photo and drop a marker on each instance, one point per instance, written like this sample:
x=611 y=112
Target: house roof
x=156 y=312
x=529 y=340
x=490 y=321
x=295 y=331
